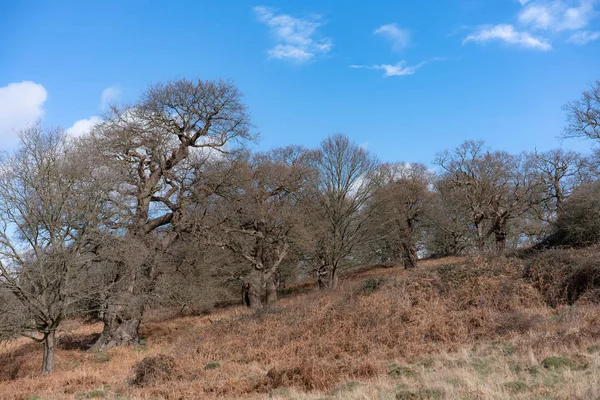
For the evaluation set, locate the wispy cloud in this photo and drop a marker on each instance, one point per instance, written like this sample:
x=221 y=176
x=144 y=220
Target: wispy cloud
x=399 y=37
x=557 y=15
x=401 y=68
x=584 y=37
x=508 y=34
x=295 y=36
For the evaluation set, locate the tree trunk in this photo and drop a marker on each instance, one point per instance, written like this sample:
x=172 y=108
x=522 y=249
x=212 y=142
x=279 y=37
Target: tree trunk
x=125 y=310
x=322 y=273
x=121 y=326
x=255 y=289
x=48 y=361
x=500 y=237
x=480 y=237
x=333 y=278
x=410 y=255
x=271 y=289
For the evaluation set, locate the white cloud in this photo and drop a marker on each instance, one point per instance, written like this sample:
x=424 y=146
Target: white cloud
x=584 y=37
x=401 y=68
x=399 y=37
x=509 y=35
x=109 y=96
x=523 y=2
x=295 y=35
x=21 y=103
x=83 y=126
x=558 y=15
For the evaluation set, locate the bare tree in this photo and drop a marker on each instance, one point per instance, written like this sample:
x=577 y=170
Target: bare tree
x=346 y=182
x=49 y=207
x=448 y=228
x=256 y=216
x=583 y=115
x=155 y=149
x=493 y=185
x=558 y=172
x=403 y=200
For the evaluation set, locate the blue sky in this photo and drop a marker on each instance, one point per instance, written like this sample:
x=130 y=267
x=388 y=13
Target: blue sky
x=405 y=78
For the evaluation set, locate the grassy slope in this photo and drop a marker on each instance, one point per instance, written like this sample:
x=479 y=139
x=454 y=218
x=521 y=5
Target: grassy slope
x=454 y=328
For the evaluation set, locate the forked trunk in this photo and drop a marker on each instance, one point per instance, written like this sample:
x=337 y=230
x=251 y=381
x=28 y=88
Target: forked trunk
x=322 y=274
x=327 y=278
x=48 y=361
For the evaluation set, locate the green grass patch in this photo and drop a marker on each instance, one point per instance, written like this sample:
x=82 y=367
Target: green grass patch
x=558 y=363
x=212 y=365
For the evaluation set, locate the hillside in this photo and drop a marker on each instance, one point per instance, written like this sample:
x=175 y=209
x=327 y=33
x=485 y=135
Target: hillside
x=454 y=328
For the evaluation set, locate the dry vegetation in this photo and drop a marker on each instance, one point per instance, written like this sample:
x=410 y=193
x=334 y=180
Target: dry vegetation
x=455 y=328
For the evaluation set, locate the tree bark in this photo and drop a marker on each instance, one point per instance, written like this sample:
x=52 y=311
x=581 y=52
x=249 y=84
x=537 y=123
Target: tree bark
x=333 y=278
x=271 y=289
x=48 y=361
x=255 y=289
x=410 y=255
x=500 y=237
x=125 y=310
x=121 y=327
x=480 y=237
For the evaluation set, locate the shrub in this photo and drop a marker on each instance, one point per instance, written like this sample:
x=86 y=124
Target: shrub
x=578 y=222
x=153 y=369
x=564 y=276
x=370 y=286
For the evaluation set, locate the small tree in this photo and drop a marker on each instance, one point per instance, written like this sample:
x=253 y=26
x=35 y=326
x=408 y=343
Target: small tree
x=49 y=205
x=257 y=218
x=403 y=201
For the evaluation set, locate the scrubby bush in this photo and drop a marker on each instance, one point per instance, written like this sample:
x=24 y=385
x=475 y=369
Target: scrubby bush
x=152 y=370
x=564 y=276
x=578 y=222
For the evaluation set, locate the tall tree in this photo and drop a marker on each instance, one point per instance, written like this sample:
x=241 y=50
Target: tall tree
x=156 y=148
x=346 y=182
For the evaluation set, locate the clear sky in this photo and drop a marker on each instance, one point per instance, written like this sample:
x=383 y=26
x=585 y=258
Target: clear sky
x=404 y=78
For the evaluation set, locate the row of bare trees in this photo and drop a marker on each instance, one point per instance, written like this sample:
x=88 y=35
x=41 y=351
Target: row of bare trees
x=163 y=202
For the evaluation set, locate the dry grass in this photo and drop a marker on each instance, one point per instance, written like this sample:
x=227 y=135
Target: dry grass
x=454 y=328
